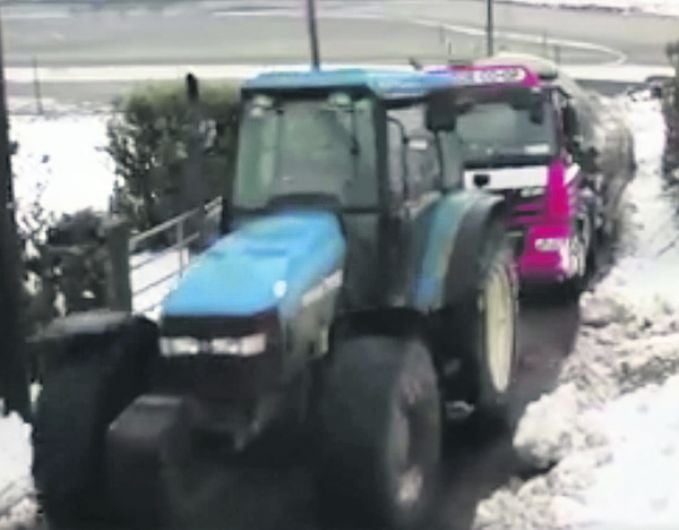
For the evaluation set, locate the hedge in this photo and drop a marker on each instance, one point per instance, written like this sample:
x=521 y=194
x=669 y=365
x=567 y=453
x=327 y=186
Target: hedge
x=149 y=140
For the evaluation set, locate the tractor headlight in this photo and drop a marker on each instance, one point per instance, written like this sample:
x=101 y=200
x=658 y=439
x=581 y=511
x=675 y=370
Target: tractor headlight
x=242 y=346
x=238 y=346
x=170 y=346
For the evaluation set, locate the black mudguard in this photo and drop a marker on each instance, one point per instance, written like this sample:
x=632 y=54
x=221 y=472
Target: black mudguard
x=93 y=332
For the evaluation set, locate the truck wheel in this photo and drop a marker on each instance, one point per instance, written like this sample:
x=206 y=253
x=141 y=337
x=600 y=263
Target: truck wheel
x=581 y=252
x=381 y=432
x=480 y=330
x=80 y=398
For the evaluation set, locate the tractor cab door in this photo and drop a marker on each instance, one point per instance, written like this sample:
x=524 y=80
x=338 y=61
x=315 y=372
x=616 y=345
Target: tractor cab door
x=414 y=183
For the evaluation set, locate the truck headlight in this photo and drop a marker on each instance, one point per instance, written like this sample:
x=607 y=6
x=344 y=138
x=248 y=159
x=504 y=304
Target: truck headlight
x=551 y=244
x=532 y=192
x=242 y=346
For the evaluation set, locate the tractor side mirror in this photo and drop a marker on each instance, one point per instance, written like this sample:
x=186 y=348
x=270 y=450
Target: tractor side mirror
x=441 y=112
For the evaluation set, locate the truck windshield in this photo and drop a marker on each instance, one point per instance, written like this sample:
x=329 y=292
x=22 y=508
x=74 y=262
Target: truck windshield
x=323 y=146
x=497 y=133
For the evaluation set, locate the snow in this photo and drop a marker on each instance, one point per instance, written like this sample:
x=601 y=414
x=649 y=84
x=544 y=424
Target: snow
x=653 y=7
x=607 y=439
x=17 y=501
x=62 y=163
x=66 y=154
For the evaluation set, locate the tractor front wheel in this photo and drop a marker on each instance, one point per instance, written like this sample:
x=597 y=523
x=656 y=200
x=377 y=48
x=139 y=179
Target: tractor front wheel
x=81 y=396
x=381 y=432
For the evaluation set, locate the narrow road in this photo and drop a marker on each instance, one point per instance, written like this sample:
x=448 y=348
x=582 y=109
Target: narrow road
x=82 y=55
x=262 y=499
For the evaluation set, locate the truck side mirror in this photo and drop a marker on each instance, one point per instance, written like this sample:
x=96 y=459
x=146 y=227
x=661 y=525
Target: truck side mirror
x=589 y=160
x=571 y=127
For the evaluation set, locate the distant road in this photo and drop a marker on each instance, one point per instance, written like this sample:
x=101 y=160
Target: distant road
x=388 y=30
x=228 y=32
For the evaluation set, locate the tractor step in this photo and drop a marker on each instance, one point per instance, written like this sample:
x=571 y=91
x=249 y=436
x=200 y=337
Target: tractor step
x=146 y=445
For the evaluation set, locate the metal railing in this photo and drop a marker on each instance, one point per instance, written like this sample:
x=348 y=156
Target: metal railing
x=154 y=273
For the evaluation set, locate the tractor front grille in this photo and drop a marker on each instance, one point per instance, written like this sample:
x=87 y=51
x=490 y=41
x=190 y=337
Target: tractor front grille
x=218 y=376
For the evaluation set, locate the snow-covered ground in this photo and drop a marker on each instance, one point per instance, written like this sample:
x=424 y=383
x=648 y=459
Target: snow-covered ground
x=654 y=7
x=61 y=162
x=607 y=438
x=17 y=502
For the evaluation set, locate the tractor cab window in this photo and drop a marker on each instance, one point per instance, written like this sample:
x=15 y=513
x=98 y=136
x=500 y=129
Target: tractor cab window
x=306 y=147
x=413 y=152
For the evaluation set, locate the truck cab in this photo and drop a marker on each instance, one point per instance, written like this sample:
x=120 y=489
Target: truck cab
x=525 y=136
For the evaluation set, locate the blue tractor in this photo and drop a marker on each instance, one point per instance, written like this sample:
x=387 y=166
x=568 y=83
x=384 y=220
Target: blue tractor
x=356 y=296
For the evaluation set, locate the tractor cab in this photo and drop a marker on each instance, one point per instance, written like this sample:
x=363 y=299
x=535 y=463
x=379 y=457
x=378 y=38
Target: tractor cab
x=364 y=147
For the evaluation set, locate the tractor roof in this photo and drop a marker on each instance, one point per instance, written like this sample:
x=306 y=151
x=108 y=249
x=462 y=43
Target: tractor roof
x=386 y=84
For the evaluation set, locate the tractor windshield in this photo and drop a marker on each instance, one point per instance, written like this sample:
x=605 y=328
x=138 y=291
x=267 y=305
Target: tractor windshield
x=499 y=130
x=323 y=146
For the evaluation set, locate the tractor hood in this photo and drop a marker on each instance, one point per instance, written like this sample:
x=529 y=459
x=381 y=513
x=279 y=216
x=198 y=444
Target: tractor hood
x=270 y=263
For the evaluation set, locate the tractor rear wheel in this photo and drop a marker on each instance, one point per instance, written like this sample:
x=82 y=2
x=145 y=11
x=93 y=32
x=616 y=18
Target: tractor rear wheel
x=381 y=432
x=81 y=396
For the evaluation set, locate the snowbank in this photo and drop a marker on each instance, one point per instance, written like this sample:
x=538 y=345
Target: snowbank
x=17 y=502
x=608 y=436
x=653 y=7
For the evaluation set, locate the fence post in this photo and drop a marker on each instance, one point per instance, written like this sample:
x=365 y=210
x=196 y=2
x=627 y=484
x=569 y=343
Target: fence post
x=118 y=287
x=194 y=179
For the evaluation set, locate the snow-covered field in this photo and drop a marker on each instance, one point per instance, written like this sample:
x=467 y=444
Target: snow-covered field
x=607 y=439
x=65 y=154
x=654 y=7
x=61 y=162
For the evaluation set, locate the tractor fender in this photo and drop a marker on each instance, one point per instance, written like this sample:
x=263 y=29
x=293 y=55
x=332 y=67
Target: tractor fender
x=464 y=265
x=450 y=261
x=91 y=332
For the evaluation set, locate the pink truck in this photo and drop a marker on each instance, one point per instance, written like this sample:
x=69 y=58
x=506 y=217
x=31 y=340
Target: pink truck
x=536 y=137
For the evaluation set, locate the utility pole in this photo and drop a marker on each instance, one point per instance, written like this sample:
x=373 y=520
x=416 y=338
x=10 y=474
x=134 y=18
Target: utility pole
x=313 y=34
x=490 y=28
x=13 y=372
